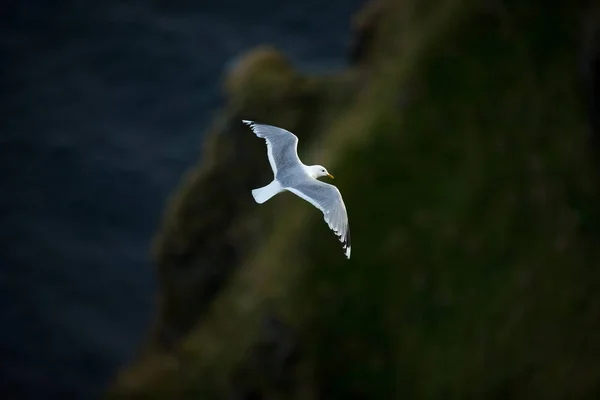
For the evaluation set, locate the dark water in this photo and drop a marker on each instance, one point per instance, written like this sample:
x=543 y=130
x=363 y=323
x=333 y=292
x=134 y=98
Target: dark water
x=102 y=109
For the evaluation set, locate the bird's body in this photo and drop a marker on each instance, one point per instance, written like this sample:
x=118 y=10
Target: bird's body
x=289 y=173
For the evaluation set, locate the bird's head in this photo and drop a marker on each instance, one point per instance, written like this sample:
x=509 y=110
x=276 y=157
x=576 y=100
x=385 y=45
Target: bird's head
x=317 y=171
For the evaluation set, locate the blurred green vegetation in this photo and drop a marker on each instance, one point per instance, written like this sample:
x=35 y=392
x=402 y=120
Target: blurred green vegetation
x=462 y=152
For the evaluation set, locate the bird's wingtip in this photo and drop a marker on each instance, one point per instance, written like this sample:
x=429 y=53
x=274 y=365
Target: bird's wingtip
x=247 y=122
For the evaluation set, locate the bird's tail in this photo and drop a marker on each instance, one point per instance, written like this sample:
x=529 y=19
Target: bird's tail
x=266 y=192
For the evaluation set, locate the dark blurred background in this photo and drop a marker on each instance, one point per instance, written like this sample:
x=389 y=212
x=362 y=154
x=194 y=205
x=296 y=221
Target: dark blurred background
x=103 y=108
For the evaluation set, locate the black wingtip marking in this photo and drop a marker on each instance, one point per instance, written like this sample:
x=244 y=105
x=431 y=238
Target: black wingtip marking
x=346 y=243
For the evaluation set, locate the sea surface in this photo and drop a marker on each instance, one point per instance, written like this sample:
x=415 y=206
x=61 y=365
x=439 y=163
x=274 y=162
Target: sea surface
x=102 y=108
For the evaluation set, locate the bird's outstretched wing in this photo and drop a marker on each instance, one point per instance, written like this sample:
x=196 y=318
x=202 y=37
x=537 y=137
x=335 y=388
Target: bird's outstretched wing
x=328 y=199
x=281 y=145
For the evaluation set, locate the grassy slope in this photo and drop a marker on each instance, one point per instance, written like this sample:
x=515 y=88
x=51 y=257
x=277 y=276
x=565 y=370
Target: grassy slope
x=475 y=265
x=475 y=229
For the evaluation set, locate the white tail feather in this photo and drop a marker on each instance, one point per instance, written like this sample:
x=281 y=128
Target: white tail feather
x=266 y=192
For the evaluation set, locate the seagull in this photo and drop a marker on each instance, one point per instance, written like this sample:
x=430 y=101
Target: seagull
x=289 y=173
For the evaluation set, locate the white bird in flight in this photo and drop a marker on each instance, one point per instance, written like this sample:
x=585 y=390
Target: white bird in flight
x=289 y=173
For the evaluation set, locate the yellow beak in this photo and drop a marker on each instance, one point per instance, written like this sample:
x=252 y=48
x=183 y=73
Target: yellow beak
x=329 y=175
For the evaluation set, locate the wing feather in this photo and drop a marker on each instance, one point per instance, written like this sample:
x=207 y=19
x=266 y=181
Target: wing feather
x=281 y=145
x=328 y=199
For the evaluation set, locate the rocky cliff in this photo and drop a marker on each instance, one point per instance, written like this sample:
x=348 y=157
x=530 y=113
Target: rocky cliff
x=463 y=139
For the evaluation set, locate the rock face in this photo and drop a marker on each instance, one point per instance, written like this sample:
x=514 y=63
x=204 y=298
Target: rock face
x=210 y=225
x=459 y=140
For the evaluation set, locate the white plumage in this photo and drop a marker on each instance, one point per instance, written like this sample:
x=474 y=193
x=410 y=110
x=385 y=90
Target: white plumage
x=289 y=173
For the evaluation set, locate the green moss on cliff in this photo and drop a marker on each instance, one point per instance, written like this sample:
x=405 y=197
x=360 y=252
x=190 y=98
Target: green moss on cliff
x=475 y=262
x=472 y=197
